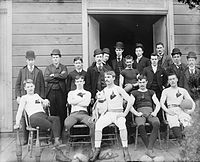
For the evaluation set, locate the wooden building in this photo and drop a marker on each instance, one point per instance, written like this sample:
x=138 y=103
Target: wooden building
x=77 y=27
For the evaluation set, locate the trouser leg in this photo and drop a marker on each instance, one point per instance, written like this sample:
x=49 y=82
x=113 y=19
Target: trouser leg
x=154 y=135
x=143 y=135
x=177 y=133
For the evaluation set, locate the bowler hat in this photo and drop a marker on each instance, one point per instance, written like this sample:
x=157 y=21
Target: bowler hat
x=97 y=51
x=56 y=52
x=106 y=50
x=191 y=55
x=176 y=51
x=139 y=45
x=119 y=45
x=30 y=55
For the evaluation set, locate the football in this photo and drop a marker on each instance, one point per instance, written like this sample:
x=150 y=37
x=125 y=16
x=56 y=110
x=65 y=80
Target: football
x=186 y=104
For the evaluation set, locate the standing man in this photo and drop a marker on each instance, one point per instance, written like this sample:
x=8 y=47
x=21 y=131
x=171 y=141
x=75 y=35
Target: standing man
x=106 y=56
x=190 y=79
x=55 y=76
x=177 y=67
x=157 y=78
x=118 y=64
x=173 y=96
x=164 y=59
x=94 y=80
x=140 y=62
x=115 y=114
x=143 y=100
x=30 y=71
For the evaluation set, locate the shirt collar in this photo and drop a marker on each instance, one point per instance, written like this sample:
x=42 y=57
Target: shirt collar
x=29 y=68
x=79 y=71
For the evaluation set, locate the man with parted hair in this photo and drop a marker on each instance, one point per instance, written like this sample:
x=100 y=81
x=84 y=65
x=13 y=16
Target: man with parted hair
x=115 y=114
x=165 y=60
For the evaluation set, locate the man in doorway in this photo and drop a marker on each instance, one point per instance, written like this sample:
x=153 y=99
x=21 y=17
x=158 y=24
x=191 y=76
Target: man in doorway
x=55 y=76
x=177 y=67
x=115 y=114
x=143 y=100
x=94 y=79
x=30 y=71
x=173 y=96
x=118 y=64
x=157 y=78
x=106 y=56
x=140 y=62
x=164 y=59
x=190 y=79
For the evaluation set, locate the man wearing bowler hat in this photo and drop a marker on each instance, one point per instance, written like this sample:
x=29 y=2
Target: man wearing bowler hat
x=118 y=64
x=106 y=56
x=94 y=80
x=55 y=76
x=30 y=71
x=190 y=79
x=177 y=66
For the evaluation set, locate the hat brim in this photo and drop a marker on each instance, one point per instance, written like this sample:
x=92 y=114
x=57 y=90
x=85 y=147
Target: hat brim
x=55 y=54
x=176 y=53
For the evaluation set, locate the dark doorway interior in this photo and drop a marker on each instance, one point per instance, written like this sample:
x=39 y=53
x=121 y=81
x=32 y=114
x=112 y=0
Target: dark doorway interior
x=128 y=29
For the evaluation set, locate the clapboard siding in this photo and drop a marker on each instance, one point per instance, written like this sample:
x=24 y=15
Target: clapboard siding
x=47 y=18
x=186 y=29
x=44 y=8
x=46 y=49
x=42 y=26
x=46 y=29
x=47 y=39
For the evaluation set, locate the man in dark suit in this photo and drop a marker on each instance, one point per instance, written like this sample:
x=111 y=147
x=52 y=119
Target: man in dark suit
x=55 y=76
x=106 y=56
x=118 y=64
x=94 y=79
x=30 y=71
x=190 y=79
x=140 y=62
x=177 y=66
x=164 y=59
x=157 y=78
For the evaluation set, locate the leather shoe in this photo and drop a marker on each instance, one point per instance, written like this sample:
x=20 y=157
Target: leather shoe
x=60 y=156
x=127 y=156
x=150 y=153
x=95 y=155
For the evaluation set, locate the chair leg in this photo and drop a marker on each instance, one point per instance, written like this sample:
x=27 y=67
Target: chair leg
x=167 y=140
x=136 y=137
x=159 y=139
x=31 y=143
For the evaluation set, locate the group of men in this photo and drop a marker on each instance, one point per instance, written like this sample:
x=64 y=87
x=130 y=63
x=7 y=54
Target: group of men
x=141 y=82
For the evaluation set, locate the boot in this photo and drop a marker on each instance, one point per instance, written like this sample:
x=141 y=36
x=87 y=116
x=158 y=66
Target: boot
x=126 y=154
x=60 y=156
x=95 y=155
x=150 y=153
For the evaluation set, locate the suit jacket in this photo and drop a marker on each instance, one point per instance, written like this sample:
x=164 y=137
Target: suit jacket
x=177 y=71
x=191 y=84
x=115 y=68
x=161 y=76
x=38 y=81
x=144 y=62
x=91 y=79
x=165 y=62
x=58 y=78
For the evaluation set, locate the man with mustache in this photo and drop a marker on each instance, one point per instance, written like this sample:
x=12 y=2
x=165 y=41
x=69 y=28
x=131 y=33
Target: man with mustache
x=115 y=114
x=190 y=79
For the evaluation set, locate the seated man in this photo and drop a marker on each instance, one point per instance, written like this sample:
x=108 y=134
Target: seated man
x=33 y=105
x=114 y=97
x=79 y=99
x=144 y=99
x=173 y=96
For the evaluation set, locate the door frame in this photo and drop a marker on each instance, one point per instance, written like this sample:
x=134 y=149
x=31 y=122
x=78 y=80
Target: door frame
x=85 y=34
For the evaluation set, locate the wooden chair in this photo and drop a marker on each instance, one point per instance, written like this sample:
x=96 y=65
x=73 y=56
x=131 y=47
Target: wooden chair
x=45 y=136
x=79 y=133
x=137 y=133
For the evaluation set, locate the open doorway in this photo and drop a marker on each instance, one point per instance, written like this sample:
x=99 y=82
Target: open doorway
x=106 y=29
